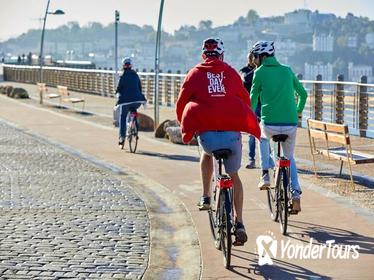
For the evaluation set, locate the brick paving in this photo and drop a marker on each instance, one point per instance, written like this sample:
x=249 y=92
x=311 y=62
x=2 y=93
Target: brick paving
x=63 y=218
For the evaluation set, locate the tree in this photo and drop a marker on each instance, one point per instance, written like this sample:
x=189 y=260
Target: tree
x=252 y=16
x=205 y=25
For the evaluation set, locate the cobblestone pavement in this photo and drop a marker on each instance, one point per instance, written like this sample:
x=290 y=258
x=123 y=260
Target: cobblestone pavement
x=64 y=218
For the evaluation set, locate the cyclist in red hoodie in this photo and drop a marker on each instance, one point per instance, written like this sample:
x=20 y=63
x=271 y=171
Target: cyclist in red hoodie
x=214 y=105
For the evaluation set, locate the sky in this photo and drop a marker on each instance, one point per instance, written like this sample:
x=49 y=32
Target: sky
x=18 y=16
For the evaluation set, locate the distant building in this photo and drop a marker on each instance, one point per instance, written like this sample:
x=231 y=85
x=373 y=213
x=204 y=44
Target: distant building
x=316 y=17
x=352 y=41
x=356 y=71
x=312 y=70
x=323 y=42
x=369 y=38
x=228 y=34
x=298 y=17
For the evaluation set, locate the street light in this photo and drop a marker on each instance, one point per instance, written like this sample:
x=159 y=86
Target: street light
x=116 y=20
x=157 y=65
x=41 y=60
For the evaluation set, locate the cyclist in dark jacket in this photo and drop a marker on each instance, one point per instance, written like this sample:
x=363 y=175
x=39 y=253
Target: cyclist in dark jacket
x=247 y=75
x=130 y=96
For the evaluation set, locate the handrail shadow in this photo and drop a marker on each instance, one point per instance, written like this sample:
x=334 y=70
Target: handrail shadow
x=280 y=270
x=321 y=234
x=171 y=157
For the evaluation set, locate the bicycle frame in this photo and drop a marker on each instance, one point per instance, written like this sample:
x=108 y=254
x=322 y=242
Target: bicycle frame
x=282 y=196
x=222 y=192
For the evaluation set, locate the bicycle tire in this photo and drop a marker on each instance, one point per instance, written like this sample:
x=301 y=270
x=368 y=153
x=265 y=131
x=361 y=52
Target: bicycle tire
x=133 y=137
x=283 y=200
x=213 y=218
x=272 y=201
x=226 y=227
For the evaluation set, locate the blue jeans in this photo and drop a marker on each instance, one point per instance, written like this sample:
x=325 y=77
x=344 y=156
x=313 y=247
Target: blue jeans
x=252 y=147
x=288 y=147
x=123 y=112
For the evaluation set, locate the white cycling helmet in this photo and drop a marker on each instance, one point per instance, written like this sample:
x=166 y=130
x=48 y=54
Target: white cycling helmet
x=263 y=47
x=126 y=61
x=213 y=46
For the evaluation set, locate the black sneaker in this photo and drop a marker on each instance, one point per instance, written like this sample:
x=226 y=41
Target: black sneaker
x=204 y=203
x=240 y=234
x=121 y=142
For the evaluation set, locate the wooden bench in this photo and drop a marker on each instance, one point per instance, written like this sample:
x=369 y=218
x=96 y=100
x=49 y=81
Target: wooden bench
x=65 y=96
x=332 y=134
x=43 y=91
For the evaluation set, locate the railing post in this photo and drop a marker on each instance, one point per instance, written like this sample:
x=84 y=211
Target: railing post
x=339 y=100
x=363 y=109
x=318 y=99
x=299 y=120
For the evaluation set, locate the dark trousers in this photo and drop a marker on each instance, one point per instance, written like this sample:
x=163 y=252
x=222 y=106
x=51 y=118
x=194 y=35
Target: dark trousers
x=124 y=110
x=252 y=139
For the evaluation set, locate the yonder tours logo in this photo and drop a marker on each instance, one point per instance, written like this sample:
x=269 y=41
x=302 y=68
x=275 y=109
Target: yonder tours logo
x=268 y=248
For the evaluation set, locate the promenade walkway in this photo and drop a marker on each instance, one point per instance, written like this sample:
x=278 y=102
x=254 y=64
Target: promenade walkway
x=174 y=168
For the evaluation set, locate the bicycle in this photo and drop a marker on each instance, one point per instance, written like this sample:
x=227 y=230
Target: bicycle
x=132 y=127
x=221 y=214
x=279 y=197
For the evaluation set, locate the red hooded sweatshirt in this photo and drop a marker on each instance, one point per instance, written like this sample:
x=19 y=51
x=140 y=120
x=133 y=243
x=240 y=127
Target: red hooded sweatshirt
x=213 y=97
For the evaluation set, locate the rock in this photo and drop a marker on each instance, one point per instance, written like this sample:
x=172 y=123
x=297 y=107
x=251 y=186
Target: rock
x=8 y=90
x=2 y=89
x=19 y=93
x=160 y=130
x=145 y=123
x=171 y=123
x=173 y=133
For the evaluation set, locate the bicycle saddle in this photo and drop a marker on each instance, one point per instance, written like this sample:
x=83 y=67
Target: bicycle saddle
x=280 y=137
x=222 y=153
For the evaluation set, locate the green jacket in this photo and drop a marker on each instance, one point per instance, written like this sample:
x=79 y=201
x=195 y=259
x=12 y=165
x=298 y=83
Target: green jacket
x=276 y=85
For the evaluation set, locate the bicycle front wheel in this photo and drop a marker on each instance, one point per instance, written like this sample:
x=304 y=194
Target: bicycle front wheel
x=225 y=230
x=133 y=138
x=283 y=199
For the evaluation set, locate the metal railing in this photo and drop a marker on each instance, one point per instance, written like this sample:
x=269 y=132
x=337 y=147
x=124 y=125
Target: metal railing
x=334 y=101
x=99 y=82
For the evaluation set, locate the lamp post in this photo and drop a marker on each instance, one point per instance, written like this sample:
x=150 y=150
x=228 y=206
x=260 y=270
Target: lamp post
x=157 y=65
x=116 y=15
x=41 y=60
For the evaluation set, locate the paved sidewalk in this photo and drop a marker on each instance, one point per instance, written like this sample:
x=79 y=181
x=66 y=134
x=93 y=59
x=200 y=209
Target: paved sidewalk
x=62 y=217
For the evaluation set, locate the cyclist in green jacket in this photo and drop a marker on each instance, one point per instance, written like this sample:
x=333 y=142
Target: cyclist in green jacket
x=275 y=84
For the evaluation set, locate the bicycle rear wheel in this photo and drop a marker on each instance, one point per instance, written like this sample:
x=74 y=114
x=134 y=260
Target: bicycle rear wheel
x=133 y=137
x=283 y=199
x=225 y=230
x=213 y=219
x=272 y=201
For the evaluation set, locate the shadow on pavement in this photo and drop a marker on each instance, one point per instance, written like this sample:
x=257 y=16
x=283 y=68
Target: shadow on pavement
x=280 y=270
x=172 y=157
x=322 y=233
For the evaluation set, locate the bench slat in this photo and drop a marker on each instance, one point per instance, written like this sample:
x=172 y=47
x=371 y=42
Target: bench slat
x=341 y=154
x=338 y=128
x=319 y=134
x=337 y=138
x=316 y=124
